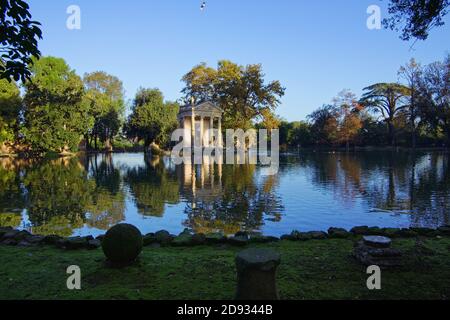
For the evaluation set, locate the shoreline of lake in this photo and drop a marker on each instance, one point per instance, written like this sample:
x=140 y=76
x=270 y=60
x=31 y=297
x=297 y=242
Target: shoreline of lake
x=23 y=238
x=287 y=152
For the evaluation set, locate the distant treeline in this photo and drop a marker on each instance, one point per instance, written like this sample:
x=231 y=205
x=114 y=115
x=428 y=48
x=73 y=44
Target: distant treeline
x=413 y=112
x=61 y=112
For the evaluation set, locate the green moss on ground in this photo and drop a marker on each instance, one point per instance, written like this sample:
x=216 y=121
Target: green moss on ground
x=317 y=269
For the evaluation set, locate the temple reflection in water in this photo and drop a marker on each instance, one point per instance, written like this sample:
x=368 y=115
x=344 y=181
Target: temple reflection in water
x=201 y=183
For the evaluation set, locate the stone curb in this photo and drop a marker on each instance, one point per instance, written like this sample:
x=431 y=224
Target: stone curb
x=22 y=238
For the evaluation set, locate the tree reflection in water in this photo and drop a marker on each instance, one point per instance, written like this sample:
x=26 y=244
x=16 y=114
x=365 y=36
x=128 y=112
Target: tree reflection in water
x=106 y=207
x=152 y=186
x=12 y=198
x=58 y=192
x=417 y=184
x=59 y=196
x=65 y=195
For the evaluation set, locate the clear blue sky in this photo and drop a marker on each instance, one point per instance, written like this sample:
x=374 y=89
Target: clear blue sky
x=315 y=48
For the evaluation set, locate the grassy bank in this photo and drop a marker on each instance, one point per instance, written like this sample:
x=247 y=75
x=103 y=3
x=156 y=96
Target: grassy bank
x=316 y=269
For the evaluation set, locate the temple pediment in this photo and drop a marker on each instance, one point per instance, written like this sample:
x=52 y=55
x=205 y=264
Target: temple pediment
x=208 y=107
x=204 y=109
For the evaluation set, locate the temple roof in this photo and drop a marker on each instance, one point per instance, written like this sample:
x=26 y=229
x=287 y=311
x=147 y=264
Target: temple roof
x=205 y=109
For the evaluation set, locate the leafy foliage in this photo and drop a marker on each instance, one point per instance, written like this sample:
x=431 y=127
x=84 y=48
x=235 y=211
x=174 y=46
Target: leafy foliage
x=240 y=91
x=412 y=73
x=389 y=112
x=10 y=103
x=297 y=133
x=349 y=116
x=19 y=37
x=434 y=96
x=387 y=99
x=105 y=96
x=415 y=18
x=324 y=124
x=152 y=119
x=55 y=117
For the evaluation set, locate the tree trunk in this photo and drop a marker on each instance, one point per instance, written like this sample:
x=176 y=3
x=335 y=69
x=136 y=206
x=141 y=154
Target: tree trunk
x=88 y=142
x=391 y=133
x=413 y=138
x=412 y=183
x=108 y=145
x=155 y=150
x=448 y=162
x=448 y=140
x=413 y=127
x=147 y=144
x=391 y=196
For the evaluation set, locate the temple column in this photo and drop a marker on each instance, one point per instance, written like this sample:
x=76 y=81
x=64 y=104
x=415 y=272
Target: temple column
x=202 y=175
x=187 y=174
x=212 y=174
x=193 y=180
x=219 y=173
x=220 y=143
x=187 y=135
x=211 y=131
x=193 y=129
x=202 y=135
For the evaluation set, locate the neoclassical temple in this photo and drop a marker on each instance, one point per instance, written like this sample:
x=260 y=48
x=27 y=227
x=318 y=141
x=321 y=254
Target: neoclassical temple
x=196 y=120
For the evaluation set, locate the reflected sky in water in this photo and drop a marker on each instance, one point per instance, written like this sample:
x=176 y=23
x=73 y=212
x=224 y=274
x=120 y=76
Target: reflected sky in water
x=313 y=191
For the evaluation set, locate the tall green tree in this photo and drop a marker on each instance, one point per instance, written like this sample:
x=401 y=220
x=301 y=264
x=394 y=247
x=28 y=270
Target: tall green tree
x=324 y=124
x=300 y=134
x=152 y=119
x=434 y=96
x=19 y=37
x=10 y=104
x=387 y=99
x=105 y=96
x=55 y=117
x=412 y=73
x=241 y=91
x=295 y=134
x=350 y=122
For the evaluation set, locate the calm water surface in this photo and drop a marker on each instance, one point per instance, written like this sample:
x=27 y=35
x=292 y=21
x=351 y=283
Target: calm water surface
x=313 y=191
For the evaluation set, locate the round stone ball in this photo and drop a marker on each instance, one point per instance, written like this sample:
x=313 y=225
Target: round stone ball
x=122 y=244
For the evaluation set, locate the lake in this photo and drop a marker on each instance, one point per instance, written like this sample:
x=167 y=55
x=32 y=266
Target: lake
x=312 y=191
